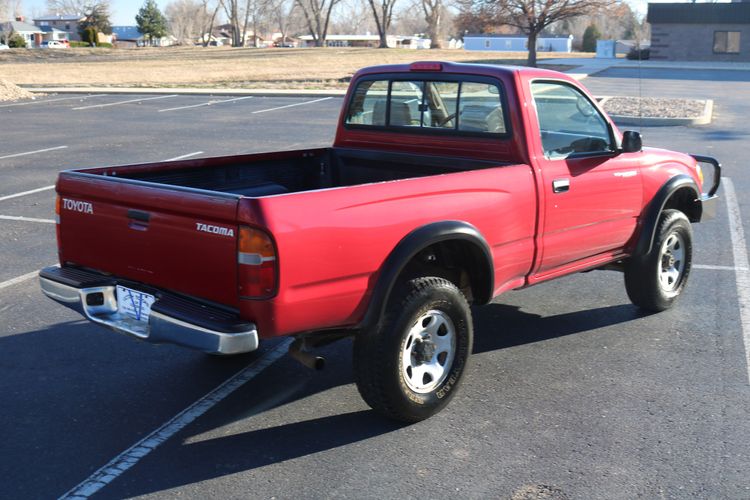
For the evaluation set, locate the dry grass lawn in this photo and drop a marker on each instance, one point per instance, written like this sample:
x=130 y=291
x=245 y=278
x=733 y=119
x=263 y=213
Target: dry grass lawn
x=220 y=66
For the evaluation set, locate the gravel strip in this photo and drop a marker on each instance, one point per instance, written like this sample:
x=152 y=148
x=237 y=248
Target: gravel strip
x=653 y=107
x=11 y=92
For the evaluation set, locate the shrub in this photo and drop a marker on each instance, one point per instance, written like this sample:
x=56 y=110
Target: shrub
x=16 y=41
x=642 y=54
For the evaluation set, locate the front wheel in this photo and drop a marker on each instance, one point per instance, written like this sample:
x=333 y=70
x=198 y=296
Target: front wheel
x=409 y=367
x=655 y=280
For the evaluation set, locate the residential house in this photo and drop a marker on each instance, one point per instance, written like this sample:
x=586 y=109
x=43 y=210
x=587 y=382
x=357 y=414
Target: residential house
x=62 y=22
x=125 y=36
x=517 y=43
x=30 y=33
x=700 y=31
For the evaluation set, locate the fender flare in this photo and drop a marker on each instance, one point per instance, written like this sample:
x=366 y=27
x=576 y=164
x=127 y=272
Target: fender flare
x=411 y=245
x=651 y=214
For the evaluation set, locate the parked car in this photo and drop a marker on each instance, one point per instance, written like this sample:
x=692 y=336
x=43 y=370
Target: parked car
x=447 y=184
x=54 y=44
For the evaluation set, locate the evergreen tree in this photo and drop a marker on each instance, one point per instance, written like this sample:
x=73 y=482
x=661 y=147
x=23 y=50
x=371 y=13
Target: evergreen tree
x=590 y=36
x=96 y=18
x=151 y=22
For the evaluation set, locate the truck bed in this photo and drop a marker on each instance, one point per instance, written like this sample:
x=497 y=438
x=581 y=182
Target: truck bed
x=296 y=171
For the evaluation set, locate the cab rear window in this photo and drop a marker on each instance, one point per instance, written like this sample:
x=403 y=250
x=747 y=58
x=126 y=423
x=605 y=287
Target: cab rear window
x=428 y=105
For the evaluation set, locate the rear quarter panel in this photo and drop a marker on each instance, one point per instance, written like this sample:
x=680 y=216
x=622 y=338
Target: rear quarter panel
x=332 y=243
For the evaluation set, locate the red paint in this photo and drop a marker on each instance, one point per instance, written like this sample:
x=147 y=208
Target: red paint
x=331 y=243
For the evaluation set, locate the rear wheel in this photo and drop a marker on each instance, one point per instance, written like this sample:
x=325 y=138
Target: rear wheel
x=409 y=367
x=655 y=280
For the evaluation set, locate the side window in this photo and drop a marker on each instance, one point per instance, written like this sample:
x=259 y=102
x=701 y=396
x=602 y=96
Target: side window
x=369 y=103
x=480 y=108
x=568 y=122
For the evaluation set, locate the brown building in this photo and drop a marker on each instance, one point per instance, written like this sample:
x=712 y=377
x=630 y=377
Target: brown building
x=700 y=31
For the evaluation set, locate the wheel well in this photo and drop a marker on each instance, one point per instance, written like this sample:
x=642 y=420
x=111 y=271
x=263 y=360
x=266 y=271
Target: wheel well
x=459 y=261
x=684 y=200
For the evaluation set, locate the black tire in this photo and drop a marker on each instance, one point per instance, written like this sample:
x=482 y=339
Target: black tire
x=380 y=353
x=655 y=280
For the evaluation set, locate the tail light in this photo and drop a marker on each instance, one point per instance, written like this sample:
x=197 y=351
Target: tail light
x=58 y=202
x=258 y=268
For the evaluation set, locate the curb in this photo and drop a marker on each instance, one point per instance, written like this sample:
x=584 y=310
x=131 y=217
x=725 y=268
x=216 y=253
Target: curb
x=647 y=121
x=187 y=91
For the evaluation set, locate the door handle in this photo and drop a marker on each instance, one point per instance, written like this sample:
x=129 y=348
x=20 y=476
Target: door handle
x=560 y=185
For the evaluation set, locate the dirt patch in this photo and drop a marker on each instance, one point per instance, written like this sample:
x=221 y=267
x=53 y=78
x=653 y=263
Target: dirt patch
x=652 y=107
x=11 y=92
x=220 y=67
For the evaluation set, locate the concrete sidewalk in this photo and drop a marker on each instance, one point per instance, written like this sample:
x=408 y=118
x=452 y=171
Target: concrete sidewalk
x=590 y=66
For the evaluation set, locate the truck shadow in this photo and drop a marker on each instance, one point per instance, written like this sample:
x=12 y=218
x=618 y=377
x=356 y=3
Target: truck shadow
x=499 y=326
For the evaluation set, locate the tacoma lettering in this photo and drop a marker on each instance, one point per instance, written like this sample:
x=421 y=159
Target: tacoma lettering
x=207 y=228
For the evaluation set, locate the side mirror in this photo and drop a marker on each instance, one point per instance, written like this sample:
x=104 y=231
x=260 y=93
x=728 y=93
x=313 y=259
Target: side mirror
x=631 y=142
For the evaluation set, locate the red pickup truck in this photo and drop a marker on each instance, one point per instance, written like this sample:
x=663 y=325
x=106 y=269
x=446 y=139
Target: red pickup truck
x=447 y=185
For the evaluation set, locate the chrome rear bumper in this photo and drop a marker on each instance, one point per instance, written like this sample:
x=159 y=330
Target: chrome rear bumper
x=162 y=328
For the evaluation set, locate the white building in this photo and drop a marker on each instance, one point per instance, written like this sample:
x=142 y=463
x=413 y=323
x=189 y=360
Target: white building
x=518 y=43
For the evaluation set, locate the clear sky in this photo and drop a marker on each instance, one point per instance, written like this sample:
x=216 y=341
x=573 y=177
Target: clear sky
x=124 y=11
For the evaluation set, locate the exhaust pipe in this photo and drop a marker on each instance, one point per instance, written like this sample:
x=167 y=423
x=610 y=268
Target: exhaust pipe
x=298 y=352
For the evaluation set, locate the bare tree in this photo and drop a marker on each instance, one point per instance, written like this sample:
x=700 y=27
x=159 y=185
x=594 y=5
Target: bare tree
x=253 y=13
x=358 y=18
x=286 y=15
x=317 y=15
x=382 y=10
x=73 y=7
x=187 y=19
x=434 y=11
x=10 y=9
x=533 y=16
x=211 y=20
x=232 y=11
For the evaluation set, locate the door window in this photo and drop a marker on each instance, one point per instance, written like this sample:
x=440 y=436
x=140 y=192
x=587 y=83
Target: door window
x=568 y=122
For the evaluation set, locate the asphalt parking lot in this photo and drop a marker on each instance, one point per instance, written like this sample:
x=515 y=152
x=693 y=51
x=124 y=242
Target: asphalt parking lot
x=571 y=389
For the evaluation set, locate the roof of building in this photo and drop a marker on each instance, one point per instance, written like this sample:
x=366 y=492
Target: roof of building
x=20 y=27
x=699 y=13
x=51 y=29
x=127 y=32
x=59 y=17
x=517 y=36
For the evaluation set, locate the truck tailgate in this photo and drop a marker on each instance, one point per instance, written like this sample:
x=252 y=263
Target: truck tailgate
x=180 y=239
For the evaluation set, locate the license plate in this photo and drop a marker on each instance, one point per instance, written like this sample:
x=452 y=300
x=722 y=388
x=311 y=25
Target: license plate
x=134 y=304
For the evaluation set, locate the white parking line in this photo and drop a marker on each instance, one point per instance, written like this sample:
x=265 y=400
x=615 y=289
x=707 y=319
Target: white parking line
x=24 y=193
x=79 y=97
x=125 y=102
x=125 y=460
x=742 y=277
x=209 y=103
x=718 y=268
x=33 y=152
x=26 y=219
x=291 y=105
x=19 y=279
x=182 y=157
